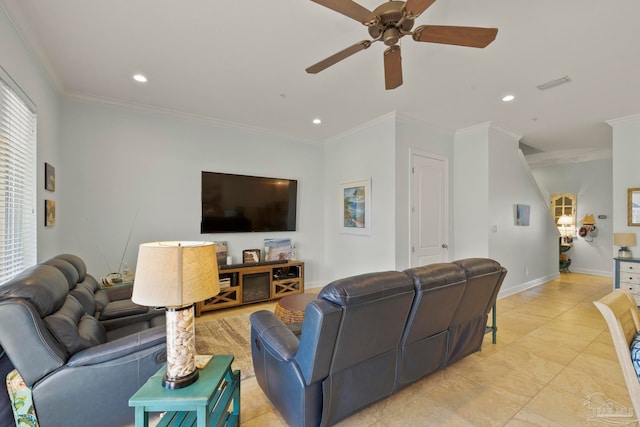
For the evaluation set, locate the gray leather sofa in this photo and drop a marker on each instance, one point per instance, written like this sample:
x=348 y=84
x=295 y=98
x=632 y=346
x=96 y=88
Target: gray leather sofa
x=81 y=370
x=368 y=336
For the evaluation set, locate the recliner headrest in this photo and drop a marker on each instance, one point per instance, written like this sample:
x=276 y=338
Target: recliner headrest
x=436 y=275
x=366 y=287
x=479 y=266
x=77 y=262
x=69 y=271
x=43 y=285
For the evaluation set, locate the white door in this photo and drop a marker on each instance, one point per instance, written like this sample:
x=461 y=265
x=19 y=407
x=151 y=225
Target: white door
x=429 y=212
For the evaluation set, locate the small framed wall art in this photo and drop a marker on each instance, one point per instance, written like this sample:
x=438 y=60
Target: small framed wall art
x=49 y=213
x=522 y=214
x=355 y=203
x=49 y=177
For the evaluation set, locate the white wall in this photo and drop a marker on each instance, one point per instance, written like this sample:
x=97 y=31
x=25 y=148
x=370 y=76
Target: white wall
x=20 y=64
x=124 y=171
x=490 y=178
x=626 y=174
x=367 y=152
x=592 y=182
x=471 y=192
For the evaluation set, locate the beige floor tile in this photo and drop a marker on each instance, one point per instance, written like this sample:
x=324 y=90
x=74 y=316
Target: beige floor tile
x=527 y=418
x=560 y=406
x=583 y=383
x=521 y=360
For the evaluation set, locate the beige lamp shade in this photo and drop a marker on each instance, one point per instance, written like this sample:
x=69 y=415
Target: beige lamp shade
x=624 y=239
x=175 y=274
x=565 y=220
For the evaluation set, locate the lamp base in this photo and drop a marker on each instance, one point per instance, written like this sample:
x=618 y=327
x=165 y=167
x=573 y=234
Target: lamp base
x=182 y=382
x=624 y=253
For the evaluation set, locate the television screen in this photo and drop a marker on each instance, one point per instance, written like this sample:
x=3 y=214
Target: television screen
x=241 y=203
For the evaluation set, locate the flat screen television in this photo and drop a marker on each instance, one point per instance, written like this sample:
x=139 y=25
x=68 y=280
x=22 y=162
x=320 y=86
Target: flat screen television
x=241 y=203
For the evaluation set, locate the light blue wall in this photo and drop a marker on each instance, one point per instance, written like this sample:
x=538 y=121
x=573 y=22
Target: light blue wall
x=136 y=172
x=20 y=64
x=592 y=183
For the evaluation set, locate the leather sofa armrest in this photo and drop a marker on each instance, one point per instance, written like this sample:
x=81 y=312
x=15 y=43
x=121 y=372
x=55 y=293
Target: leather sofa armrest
x=120 y=292
x=274 y=335
x=119 y=348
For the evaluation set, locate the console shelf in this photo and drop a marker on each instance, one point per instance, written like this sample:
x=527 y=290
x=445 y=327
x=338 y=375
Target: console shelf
x=248 y=283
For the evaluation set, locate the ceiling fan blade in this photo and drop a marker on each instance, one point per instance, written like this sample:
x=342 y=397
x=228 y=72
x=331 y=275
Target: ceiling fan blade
x=392 y=67
x=337 y=57
x=460 y=36
x=349 y=8
x=416 y=7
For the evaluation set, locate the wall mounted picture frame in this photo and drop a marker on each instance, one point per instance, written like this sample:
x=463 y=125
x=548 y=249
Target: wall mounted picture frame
x=355 y=207
x=250 y=256
x=49 y=177
x=49 y=213
x=522 y=215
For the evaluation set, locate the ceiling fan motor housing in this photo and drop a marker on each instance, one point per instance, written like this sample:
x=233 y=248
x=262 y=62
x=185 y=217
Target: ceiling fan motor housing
x=389 y=14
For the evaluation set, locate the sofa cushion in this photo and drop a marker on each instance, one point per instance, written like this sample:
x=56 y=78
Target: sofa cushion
x=121 y=308
x=73 y=328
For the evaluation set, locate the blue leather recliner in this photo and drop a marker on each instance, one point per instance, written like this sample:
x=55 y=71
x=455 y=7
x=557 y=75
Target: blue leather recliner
x=368 y=336
x=81 y=371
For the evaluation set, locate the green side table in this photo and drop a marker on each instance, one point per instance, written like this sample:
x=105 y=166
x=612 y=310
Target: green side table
x=212 y=400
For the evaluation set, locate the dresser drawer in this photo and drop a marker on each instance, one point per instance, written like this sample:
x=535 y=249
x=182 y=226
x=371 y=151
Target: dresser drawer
x=629 y=267
x=629 y=278
x=633 y=288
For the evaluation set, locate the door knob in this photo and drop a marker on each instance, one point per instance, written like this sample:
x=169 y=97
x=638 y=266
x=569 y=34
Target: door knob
x=444 y=246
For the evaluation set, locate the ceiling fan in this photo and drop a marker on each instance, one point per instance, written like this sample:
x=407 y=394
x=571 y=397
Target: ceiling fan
x=393 y=20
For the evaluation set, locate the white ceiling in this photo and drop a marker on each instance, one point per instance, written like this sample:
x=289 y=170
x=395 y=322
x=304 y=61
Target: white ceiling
x=243 y=62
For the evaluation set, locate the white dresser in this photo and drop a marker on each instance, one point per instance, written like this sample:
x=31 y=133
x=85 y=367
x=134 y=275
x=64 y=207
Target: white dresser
x=628 y=276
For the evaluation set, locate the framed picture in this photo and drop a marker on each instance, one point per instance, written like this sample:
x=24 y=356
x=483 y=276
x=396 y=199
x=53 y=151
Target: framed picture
x=522 y=214
x=277 y=249
x=250 y=255
x=49 y=213
x=355 y=203
x=221 y=253
x=49 y=177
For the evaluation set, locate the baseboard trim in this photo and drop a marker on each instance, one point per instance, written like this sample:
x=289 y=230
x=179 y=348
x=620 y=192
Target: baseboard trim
x=505 y=292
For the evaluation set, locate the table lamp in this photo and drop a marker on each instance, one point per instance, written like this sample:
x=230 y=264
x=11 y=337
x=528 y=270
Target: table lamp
x=624 y=240
x=176 y=275
x=565 y=220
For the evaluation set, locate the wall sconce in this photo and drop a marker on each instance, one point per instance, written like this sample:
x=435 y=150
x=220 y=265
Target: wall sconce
x=176 y=275
x=588 y=229
x=624 y=240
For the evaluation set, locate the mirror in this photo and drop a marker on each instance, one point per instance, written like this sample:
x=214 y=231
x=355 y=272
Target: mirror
x=633 y=207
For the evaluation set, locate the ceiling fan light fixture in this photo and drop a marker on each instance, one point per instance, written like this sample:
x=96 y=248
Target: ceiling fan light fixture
x=554 y=83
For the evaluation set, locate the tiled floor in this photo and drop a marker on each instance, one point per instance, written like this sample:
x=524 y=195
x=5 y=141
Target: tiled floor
x=553 y=353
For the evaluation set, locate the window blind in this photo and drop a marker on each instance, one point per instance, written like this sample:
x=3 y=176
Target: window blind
x=18 y=246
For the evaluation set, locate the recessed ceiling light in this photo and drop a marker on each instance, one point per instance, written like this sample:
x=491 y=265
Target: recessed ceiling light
x=508 y=98
x=317 y=121
x=140 y=78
